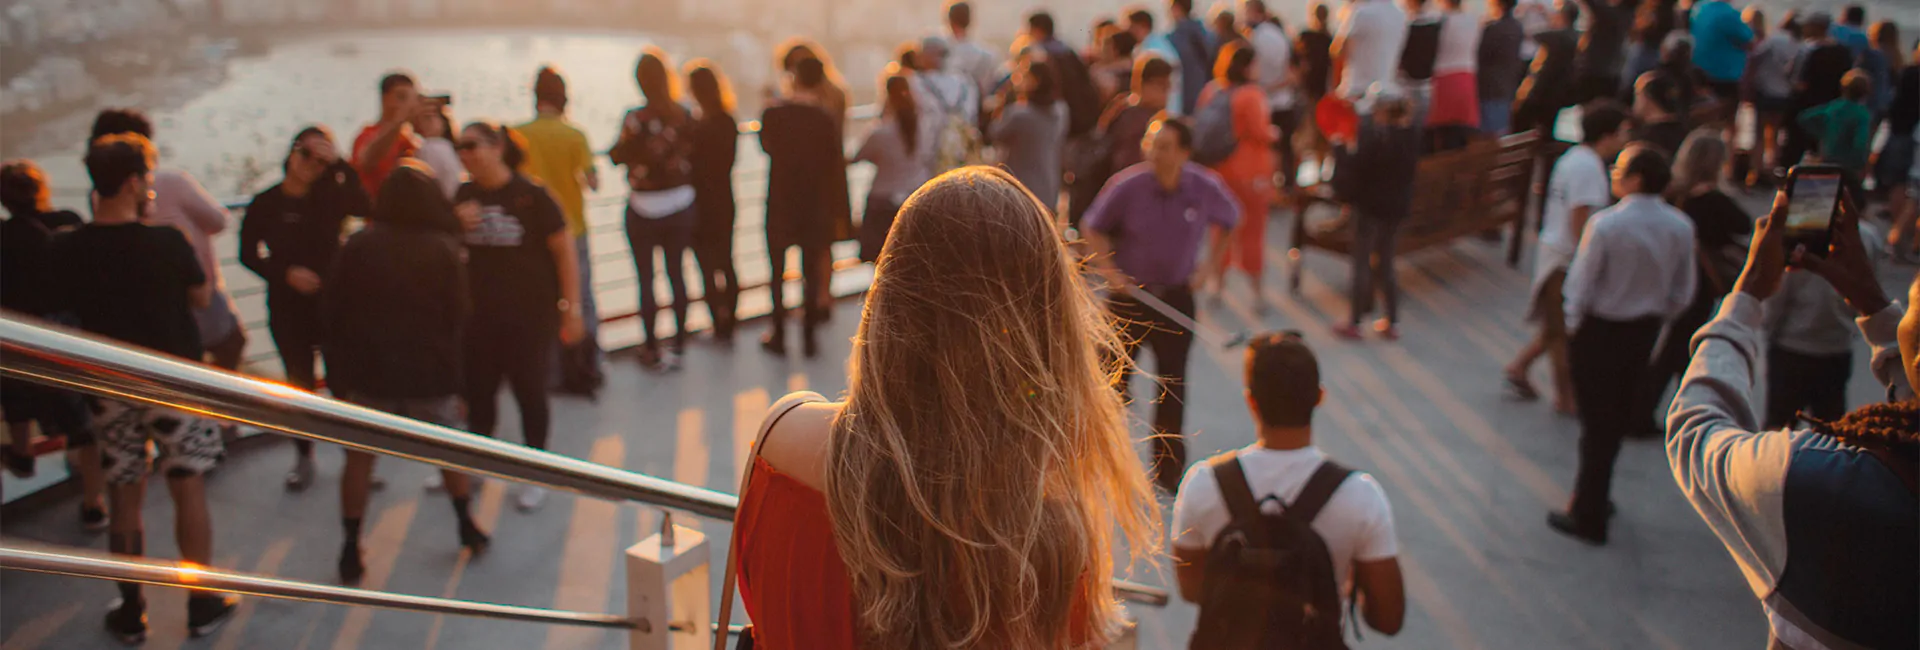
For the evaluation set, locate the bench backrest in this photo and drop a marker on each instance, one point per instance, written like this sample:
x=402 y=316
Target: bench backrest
x=1469 y=190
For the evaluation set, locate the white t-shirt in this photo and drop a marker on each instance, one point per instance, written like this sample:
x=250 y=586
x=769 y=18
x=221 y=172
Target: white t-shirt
x=1272 y=54
x=1356 y=523
x=1579 y=178
x=1374 y=32
x=440 y=156
x=1459 y=44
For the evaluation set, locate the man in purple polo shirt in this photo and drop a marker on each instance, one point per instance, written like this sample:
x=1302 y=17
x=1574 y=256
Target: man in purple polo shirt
x=1145 y=229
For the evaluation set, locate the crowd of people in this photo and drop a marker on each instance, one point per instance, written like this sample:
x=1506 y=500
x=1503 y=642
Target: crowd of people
x=1159 y=154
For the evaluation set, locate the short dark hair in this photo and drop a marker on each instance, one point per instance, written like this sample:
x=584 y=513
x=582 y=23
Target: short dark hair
x=1150 y=68
x=1181 y=131
x=1041 y=23
x=113 y=159
x=1124 y=44
x=550 y=88
x=1660 y=89
x=115 y=121
x=1857 y=84
x=809 y=73
x=1283 y=377
x=1235 y=64
x=1599 y=120
x=395 y=80
x=1646 y=160
x=1185 y=6
x=1507 y=5
x=23 y=188
x=1140 y=16
x=1571 y=11
x=1854 y=15
x=1046 y=85
x=960 y=14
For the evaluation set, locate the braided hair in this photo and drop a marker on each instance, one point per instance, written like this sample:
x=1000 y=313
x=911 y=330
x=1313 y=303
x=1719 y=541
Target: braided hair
x=1888 y=426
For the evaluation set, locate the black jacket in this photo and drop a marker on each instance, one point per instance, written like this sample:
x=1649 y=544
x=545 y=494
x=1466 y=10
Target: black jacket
x=395 y=304
x=1377 y=176
x=299 y=231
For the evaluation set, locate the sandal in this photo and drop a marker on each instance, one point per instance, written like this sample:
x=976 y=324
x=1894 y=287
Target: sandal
x=1522 y=387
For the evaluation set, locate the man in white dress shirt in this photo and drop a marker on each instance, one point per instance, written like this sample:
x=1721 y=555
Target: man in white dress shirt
x=1634 y=271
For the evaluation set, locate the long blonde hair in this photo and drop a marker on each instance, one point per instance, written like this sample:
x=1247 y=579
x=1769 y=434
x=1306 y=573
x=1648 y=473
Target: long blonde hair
x=1699 y=160
x=982 y=461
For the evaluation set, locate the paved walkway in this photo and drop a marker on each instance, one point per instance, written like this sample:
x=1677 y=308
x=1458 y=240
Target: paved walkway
x=1470 y=472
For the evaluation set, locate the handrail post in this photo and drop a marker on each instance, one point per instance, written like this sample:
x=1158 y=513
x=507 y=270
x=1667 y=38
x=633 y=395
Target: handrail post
x=669 y=585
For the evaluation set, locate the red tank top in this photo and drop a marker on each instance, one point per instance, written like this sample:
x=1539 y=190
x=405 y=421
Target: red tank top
x=792 y=580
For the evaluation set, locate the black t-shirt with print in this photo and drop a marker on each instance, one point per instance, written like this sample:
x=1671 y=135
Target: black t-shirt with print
x=510 y=269
x=26 y=260
x=132 y=282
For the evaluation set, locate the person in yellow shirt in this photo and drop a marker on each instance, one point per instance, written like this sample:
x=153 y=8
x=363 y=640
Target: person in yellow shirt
x=558 y=157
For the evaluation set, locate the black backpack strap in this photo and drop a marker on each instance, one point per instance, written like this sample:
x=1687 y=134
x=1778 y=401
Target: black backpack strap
x=1239 y=497
x=1319 y=489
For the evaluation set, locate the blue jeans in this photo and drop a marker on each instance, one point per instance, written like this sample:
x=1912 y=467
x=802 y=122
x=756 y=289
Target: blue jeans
x=589 y=315
x=1496 y=116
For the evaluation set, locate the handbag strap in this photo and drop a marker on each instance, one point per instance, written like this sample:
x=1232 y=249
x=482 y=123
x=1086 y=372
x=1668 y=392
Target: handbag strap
x=774 y=416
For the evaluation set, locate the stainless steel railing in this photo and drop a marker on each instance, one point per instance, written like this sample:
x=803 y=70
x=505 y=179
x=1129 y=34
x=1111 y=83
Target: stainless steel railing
x=66 y=359
x=43 y=353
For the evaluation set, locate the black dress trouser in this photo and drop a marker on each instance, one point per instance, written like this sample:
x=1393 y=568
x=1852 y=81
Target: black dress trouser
x=294 y=322
x=1609 y=362
x=1171 y=343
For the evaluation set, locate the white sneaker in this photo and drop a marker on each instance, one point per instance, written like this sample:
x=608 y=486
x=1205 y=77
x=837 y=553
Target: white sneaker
x=530 y=498
x=435 y=483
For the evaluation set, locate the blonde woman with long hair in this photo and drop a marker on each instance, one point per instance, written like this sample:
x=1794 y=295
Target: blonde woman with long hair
x=966 y=493
x=1720 y=229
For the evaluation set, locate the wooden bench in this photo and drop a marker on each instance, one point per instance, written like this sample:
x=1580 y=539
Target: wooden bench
x=1455 y=193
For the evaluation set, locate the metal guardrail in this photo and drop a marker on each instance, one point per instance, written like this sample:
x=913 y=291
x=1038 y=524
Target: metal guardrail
x=48 y=354
x=84 y=563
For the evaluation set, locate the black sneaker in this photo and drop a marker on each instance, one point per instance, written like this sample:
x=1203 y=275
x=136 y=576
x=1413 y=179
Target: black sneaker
x=127 y=621
x=93 y=519
x=352 y=568
x=474 y=539
x=205 y=614
x=21 y=465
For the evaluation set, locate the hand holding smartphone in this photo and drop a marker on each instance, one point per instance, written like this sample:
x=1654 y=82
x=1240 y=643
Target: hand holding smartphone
x=1814 y=193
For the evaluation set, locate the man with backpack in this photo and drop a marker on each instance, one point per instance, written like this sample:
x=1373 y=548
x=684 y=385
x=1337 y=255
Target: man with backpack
x=954 y=108
x=1268 y=535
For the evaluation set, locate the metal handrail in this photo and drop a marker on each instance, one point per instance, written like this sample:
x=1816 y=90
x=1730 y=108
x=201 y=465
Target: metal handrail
x=44 y=353
x=83 y=563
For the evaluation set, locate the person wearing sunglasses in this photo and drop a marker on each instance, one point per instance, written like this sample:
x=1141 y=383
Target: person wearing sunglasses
x=524 y=278
x=288 y=238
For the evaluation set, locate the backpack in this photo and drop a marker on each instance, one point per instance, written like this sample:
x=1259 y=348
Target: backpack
x=1421 y=51
x=1213 y=137
x=957 y=143
x=1269 y=578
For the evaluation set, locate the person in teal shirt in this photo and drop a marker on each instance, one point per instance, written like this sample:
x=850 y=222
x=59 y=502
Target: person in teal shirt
x=1720 y=41
x=1843 y=127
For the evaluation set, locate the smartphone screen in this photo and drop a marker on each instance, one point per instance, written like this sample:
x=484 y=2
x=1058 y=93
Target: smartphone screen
x=1811 y=202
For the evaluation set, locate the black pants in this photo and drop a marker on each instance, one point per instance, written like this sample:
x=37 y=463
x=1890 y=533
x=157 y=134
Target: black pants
x=721 y=286
x=1609 y=362
x=816 y=265
x=1816 y=384
x=294 y=322
x=875 y=223
x=517 y=347
x=1598 y=86
x=1672 y=359
x=673 y=235
x=1375 y=240
x=1171 y=343
x=1287 y=121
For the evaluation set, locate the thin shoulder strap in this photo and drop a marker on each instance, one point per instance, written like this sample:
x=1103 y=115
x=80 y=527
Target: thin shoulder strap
x=1239 y=497
x=1319 y=489
x=774 y=416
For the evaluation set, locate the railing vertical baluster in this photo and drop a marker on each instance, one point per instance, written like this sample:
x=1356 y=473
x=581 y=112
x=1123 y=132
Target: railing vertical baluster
x=670 y=586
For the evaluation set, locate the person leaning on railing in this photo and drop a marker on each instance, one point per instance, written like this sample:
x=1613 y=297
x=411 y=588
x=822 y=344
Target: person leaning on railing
x=1823 y=521
x=966 y=492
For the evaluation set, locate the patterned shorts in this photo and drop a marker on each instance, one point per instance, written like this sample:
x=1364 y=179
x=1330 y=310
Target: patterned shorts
x=188 y=445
